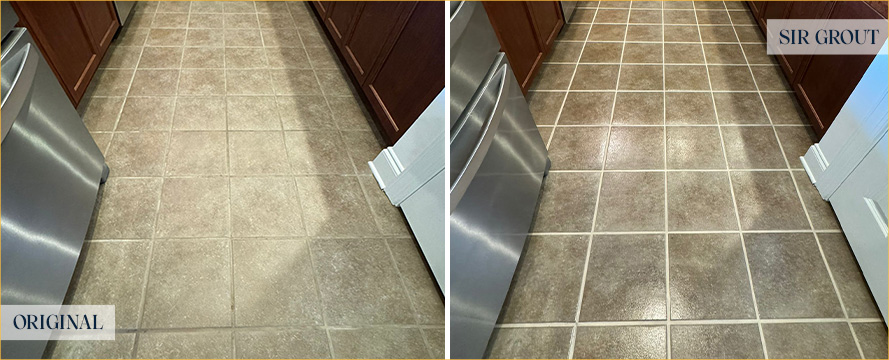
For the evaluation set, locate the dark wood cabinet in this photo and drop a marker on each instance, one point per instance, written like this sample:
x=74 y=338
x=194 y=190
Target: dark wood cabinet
x=395 y=55
x=822 y=83
x=73 y=37
x=526 y=31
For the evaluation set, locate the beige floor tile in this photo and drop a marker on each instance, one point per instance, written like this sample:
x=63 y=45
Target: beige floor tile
x=305 y=113
x=204 y=37
x=147 y=113
x=214 y=344
x=197 y=153
x=203 y=57
x=541 y=343
x=173 y=7
x=199 y=113
x=154 y=83
x=207 y=7
x=189 y=285
x=363 y=146
x=632 y=342
x=389 y=218
x=274 y=284
x=421 y=287
x=248 y=82
x=110 y=82
x=287 y=58
x=322 y=57
x=295 y=82
x=243 y=37
x=205 y=21
x=335 y=206
x=122 y=57
x=254 y=153
x=202 y=82
x=372 y=343
x=317 y=152
x=631 y=201
x=170 y=20
x=349 y=113
x=267 y=206
x=282 y=344
x=120 y=348
x=241 y=21
x=127 y=209
x=101 y=114
x=166 y=37
x=252 y=113
x=137 y=154
x=333 y=82
x=194 y=207
x=245 y=58
x=285 y=38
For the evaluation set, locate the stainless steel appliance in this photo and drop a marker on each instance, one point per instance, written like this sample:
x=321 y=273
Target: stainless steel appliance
x=498 y=161
x=568 y=9
x=124 y=8
x=51 y=170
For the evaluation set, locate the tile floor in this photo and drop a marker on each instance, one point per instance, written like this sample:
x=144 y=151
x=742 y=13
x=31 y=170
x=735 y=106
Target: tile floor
x=240 y=218
x=677 y=221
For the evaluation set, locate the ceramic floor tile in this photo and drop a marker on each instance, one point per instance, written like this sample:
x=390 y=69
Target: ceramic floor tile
x=795 y=141
x=740 y=108
x=631 y=201
x=545 y=106
x=635 y=148
x=601 y=52
x=612 y=16
x=574 y=32
x=189 y=285
x=274 y=285
x=708 y=277
x=185 y=345
x=259 y=152
x=436 y=340
x=112 y=273
x=578 y=148
x=305 y=113
x=641 y=77
x=820 y=211
x=322 y=57
x=378 y=343
x=611 y=342
x=205 y=21
x=282 y=344
x=850 y=281
x=584 y=16
x=643 y=53
x=173 y=7
x=530 y=343
x=421 y=286
x=204 y=37
x=872 y=337
x=752 y=147
x=700 y=201
x=716 y=342
x=266 y=206
x=333 y=82
x=683 y=54
x=203 y=57
x=127 y=208
x=132 y=36
x=160 y=58
x=348 y=114
x=295 y=82
x=729 y=77
x=708 y=17
x=553 y=77
x=248 y=82
x=197 y=153
x=694 y=147
x=252 y=113
x=750 y=34
x=801 y=341
x=194 y=207
x=287 y=58
x=681 y=33
x=363 y=147
x=741 y=17
x=245 y=58
x=689 y=108
x=679 y=17
x=547 y=281
x=769 y=78
x=626 y=279
x=595 y=77
x=149 y=113
x=644 y=33
x=244 y=37
x=768 y=201
x=802 y=272
x=784 y=109
x=241 y=21
x=317 y=152
x=587 y=109
x=199 y=113
x=120 y=348
x=137 y=154
x=567 y=202
x=724 y=54
x=359 y=283
x=335 y=206
x=239 y=7
x=686 y=77
x=111 y=82
x=678 y=5
x=121 y=57
x=101 y=114
x=756 y=54
x=639 y=109
x=154 y=82
x=202 y=82
x=166 y=37
x=719 y=34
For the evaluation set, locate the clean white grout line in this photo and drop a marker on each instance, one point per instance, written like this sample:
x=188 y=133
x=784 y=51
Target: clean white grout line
x=681 y=322
x=804 y=207
x=573 y=340
x=669 y=304
x=732 y=192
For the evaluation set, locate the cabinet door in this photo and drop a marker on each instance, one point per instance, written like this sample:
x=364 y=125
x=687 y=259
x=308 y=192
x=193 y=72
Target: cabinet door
x=321 y=7
x=374 y=28
x=802 y=10
x=828 y=80
x=340 y=18
x=411 y=73
x=547 y=18
x=518 y=38
x=72 y=36
x=773 y=10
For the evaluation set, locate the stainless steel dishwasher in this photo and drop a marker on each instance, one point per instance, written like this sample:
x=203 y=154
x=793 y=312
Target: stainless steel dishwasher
x=51 y=169
x=498 y=161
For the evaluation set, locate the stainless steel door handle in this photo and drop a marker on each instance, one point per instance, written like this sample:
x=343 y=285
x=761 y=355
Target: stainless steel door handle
x=20 y=88
x=458 y=188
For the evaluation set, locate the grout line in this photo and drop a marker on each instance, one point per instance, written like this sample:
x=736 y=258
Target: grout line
x=732 y=193
x=804 y=207
x=669 y=304
x=681 y=322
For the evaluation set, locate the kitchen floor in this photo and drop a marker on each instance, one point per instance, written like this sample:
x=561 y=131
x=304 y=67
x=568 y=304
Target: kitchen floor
x=677 y=221
x=240 y=218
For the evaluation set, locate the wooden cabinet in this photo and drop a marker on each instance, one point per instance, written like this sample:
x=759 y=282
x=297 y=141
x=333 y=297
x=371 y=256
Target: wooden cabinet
x=526 y=31
x=73 y=37
x=395 y=55
x=822 y=83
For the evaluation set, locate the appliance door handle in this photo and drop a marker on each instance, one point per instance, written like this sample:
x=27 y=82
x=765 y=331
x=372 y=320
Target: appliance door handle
x=459 y=20
x=458 y=188
x=20 y=88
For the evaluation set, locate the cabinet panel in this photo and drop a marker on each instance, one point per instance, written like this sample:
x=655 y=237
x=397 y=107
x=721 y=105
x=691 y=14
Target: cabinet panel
x=340 y=18
x=547 y=17
x=802 y=10
x=372 y=30
x=100 y=19
x=518 y=38
x=412 y=73
x=828 y=80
